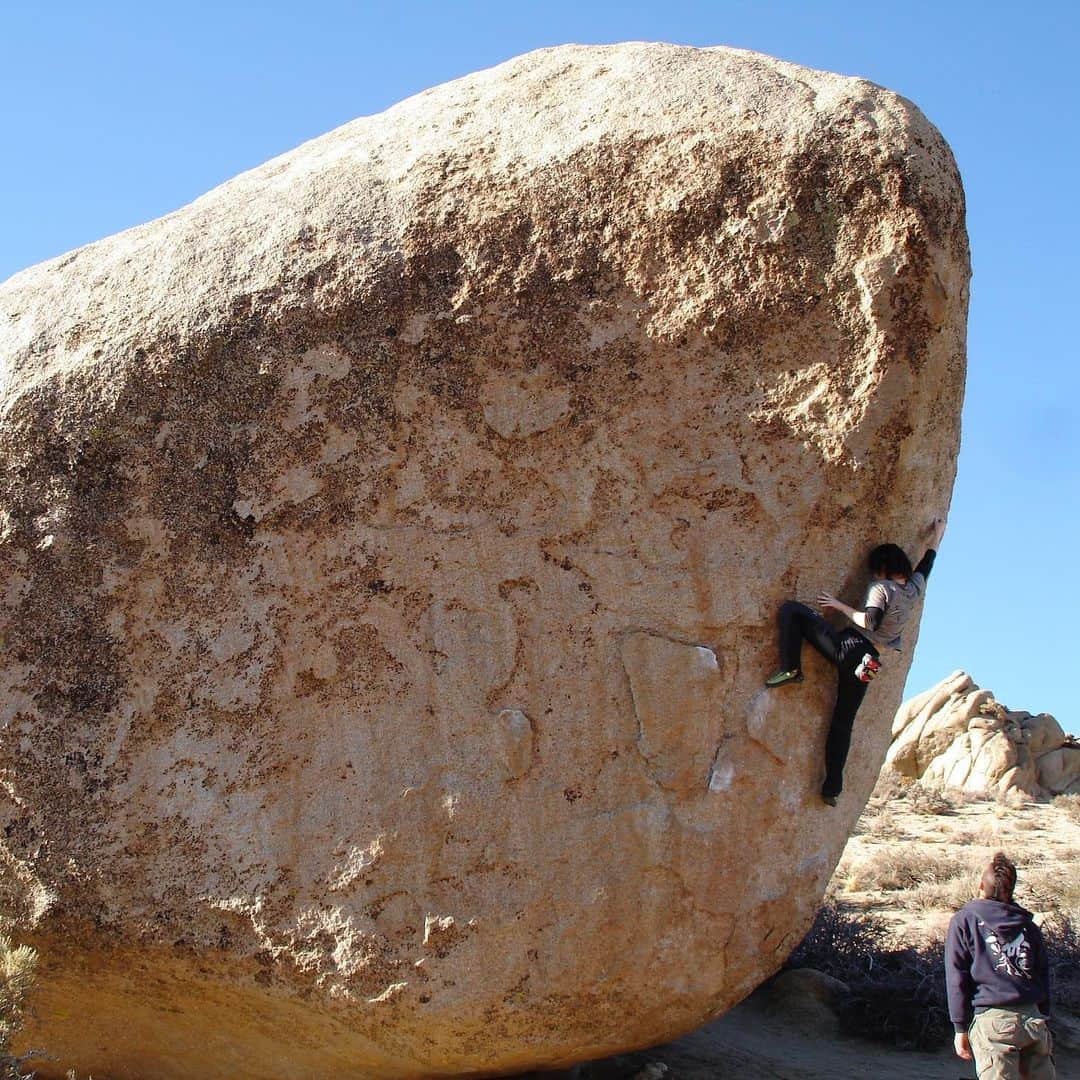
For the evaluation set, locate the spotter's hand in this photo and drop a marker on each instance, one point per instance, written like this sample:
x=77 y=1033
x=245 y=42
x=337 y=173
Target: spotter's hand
x=827 y=600
x=962 y=1046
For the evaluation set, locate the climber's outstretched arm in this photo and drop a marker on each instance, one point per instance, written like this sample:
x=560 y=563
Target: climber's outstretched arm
x=860 y=618
x=871 y=618
x=935 y=531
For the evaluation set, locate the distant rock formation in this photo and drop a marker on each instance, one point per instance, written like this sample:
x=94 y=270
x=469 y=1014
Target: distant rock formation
x=391 y=546
x=956 y=735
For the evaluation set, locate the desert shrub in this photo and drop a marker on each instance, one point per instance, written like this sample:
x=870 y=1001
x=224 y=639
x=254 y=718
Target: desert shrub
x=1069 y=805
x=839 y=942
x=890 y=785
x=1062 y=934
x=896 y=867
x=967 y=837
x=921 y=799
x=895 y=993
x=950 y=894
x=1054 y=889
x=17 y=965
x=1013 y=799
x=880 y=824
x=963 y=797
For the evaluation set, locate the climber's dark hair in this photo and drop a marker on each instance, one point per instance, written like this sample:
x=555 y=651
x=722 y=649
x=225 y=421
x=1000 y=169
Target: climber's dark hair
x=888 y=559
x=999 y=878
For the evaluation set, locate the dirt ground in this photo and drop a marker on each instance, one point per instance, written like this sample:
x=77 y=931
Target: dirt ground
x=913 y=860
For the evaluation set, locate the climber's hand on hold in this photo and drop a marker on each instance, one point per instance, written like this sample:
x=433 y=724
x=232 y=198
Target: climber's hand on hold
x=827 y=601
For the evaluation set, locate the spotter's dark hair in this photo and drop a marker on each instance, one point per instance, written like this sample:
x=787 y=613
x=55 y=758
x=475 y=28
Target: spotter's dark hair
x=999 y=878
x=888 y=559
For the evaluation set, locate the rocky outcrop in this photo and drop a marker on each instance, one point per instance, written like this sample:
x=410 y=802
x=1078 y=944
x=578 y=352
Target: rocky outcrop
x=957 y=735
x=391 y=542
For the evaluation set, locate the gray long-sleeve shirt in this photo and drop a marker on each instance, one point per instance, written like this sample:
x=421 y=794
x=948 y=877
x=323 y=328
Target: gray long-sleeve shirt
x=889 y=604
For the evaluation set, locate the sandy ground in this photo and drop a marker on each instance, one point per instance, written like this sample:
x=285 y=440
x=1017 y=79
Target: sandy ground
x=748 y=1044
x=913 y=860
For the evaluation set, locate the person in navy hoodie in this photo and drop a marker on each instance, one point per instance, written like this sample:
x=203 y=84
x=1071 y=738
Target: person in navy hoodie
x=998 y=983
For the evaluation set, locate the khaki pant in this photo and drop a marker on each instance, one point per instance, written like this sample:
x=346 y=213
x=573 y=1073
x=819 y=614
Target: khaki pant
x=1010 y=1044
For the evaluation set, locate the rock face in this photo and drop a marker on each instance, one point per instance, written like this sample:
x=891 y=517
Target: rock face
x=391 y=542
x=956 y=735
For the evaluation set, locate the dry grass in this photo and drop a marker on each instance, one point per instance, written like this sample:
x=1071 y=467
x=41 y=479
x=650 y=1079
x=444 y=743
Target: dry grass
x=880 y=824
x=896 y=867
x=1055 y=889
x=895 y=991
x=921 y=798
x=913 y=857
x=1013 y=799
x=946 y=895
x=889 y=787
x=990 y=831
x=895 y=793
x=1069 y=805
x=929 y=800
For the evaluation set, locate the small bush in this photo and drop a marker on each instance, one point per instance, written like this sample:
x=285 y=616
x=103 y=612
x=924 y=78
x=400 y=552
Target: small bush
x=949 y=895
x=1054 y=889
x=839 y=943
x=17 y=966
x=921 y=799
x=890 y=785
x=1069 y=805
x=906 y=866
x=1013 y=799
x=1062 y=935
x=896 y=994
x=881 y=824
x=918 y=796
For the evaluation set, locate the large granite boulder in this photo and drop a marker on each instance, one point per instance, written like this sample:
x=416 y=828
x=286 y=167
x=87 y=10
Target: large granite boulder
x=957 y=735
x=390 y=543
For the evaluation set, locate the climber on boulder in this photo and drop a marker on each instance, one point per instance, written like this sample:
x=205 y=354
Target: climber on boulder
x=855 y=651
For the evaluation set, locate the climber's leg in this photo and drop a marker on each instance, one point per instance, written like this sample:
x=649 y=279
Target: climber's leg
x=849 y=695
x=797 y=621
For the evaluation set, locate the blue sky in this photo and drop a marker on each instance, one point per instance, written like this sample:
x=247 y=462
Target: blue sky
x=116 y=113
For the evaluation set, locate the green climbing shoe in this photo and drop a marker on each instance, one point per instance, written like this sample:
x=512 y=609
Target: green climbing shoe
x=829 y=800
x=781 y=677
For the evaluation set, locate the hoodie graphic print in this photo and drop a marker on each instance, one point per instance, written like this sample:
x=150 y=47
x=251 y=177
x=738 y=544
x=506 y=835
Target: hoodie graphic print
x=1011 y=958
x=994 y=956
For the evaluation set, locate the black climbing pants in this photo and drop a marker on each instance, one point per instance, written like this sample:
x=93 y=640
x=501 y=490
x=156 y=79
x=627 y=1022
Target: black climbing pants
x=844 y=649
